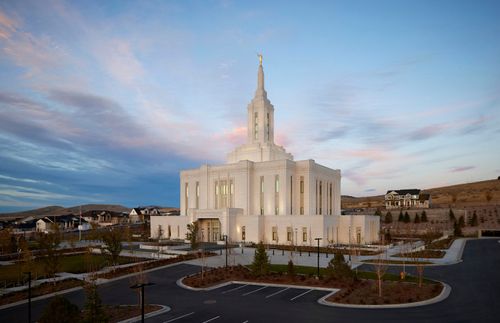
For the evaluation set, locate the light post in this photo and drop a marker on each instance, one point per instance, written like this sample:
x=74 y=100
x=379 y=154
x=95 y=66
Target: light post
x=141 y=286
x=29 y=295
x=318 y=239
x=225 y=239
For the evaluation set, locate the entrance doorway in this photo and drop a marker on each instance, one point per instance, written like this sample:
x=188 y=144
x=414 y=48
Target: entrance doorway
x=210 y=230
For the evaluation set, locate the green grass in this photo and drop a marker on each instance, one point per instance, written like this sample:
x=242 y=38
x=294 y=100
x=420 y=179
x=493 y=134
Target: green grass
x=397 y=262
x=76 y=264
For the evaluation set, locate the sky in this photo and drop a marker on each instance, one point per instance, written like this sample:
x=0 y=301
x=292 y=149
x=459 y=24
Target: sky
x=106 y=101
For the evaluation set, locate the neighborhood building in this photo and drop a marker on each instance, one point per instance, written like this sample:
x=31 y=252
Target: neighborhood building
x=408 y=198
x=262 y=194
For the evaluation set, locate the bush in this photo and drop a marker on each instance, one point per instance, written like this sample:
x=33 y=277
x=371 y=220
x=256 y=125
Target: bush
x=60 y=310
x=388 y=217
x=338 y=269
x=291 y=269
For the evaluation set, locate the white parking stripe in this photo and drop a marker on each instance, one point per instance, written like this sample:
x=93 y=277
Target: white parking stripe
x=308 y=291
x=256 y=290
x=179 y=317
x=212 y=319
x=228 y=291
x=281 y=290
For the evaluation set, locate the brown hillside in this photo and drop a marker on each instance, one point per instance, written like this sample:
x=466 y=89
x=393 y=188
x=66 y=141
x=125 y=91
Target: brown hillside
x=461 y=195
x=59 y=210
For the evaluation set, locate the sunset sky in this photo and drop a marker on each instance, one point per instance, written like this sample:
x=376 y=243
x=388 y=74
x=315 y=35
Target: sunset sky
x=105 y=101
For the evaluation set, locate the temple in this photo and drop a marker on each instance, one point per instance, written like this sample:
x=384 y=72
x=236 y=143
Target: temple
x=262 y=194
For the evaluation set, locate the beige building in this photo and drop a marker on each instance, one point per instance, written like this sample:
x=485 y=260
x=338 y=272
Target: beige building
x=409 y=198
x=262 y=194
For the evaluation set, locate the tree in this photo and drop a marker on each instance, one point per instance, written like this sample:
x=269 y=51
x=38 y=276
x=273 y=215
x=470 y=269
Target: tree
x=60 y=310
x=388 y=217
x=406 y=218
x=474 y=221
x=260 y=264
x=380 y=269
x=401 y=217
x=378 y=212
x=93 y=311
x=488 y=196
x=417 y=218
x=291 y=269
x=49 y=243
x=452 y=216
x=192 y=234
x=5 y=240
x=338 y=269
x=457 y=230
x=461 y=221
x=424 y=217
x=112 y=247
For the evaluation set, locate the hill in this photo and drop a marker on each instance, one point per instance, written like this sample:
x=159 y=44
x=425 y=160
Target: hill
x=460 y=195
x=59 y=210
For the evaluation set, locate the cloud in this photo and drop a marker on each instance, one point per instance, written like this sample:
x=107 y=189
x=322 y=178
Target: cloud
x=426 y=132
x=461 y=169
x=25 y=180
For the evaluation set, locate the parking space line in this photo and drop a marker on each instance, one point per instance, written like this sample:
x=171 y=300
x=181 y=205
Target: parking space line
x=308 y=291
x=212 y=319
x=233 y=289
x=276 y=293
x=256 y=290
x=246 y=321
x=179 y=317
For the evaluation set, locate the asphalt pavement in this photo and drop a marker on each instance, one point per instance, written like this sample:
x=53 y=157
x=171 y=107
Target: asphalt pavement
x=475 y=297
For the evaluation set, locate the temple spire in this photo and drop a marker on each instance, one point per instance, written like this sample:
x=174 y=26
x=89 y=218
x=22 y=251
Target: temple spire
x=260 y=80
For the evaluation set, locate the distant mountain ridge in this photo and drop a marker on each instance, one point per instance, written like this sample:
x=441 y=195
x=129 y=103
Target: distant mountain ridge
x=59 y=210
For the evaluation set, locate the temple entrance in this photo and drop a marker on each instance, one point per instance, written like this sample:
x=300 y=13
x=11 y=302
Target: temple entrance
x=209 y=230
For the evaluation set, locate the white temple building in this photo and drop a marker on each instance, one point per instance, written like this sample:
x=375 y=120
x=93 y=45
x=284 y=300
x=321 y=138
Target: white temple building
x=262 y=194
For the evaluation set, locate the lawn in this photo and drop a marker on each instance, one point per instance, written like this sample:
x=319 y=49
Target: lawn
x=423 y=254
x=79 y=263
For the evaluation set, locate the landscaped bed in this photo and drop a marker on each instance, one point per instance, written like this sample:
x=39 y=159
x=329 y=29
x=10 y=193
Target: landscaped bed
x=423 y=254
x=361 y=291
x=395 y=262
x=311 y=249
x=124 y=312
x=441 y=244
x=42 y=289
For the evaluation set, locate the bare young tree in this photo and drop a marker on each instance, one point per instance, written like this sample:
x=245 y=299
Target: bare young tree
x=380 y=269
x=112 y=245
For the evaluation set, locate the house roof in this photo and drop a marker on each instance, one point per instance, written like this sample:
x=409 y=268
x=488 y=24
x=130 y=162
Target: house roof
x=412 y=191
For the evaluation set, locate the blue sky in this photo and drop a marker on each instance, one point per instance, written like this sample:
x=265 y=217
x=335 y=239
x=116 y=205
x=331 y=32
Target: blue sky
x=105 y=101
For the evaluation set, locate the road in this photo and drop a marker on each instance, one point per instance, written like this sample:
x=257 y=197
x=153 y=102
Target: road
x=475 y=297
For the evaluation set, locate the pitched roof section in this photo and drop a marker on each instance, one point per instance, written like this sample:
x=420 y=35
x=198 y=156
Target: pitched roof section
x=412 y=191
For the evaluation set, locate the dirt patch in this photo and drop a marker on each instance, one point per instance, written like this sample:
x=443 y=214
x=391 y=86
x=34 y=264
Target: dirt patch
x=365 y=292
x=361 y=292
x=39 y=290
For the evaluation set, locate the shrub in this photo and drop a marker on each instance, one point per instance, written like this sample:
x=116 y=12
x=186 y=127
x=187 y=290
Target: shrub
x=291 y=269
x=338 y=269
x=60 y=310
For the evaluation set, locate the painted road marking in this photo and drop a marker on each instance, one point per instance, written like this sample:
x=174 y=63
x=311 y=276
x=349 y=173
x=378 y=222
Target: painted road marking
x=308 y=291
x=281 y=290
x=179 y=317
x=256 y=290
x=212 y=319
x=228 y=291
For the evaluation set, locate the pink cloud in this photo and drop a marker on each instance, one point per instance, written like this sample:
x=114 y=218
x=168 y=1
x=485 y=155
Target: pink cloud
x=462 y=169
x=427 y=132
x=7 y=25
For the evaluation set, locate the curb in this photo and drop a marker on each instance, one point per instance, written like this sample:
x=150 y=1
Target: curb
x=163 y=309
x=441 y=297
x=181 y=284
x=65 y=291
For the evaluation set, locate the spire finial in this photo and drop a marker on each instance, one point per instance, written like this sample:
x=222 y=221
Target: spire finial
x=260 y=59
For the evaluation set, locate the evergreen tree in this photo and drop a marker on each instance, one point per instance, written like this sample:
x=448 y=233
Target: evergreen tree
x=424 y=217
x=60 y=310
x=401 y=217
x=474 y=221
x=457 y=231
x=452 y=216
x=461 y=221
x=192 y=234
x=93 y=310
x=388 y=217
x=338 y=269
x=406 y=218
x=291 y=269
x=417 y=218
x=260 y=264
x=378 y=212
